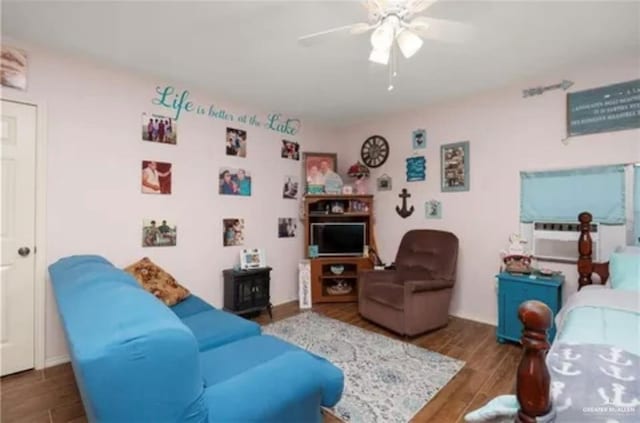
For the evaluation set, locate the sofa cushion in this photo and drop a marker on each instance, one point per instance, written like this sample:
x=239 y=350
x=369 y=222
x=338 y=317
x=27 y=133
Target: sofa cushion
x=190 y=306
x=157 y=281
x=389 y=294
x=246 y=355
x=215 y=327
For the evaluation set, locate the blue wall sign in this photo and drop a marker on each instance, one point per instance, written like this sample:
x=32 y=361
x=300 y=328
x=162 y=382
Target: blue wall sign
x=416 y=168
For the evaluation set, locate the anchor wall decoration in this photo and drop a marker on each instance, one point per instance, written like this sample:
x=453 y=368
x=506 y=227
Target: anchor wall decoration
x=404 y=212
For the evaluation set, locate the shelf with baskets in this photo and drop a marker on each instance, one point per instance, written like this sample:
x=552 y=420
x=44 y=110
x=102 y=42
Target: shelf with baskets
x=336 y=279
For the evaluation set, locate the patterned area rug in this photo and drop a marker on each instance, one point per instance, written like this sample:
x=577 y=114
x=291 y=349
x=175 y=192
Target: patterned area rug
x=385 y=380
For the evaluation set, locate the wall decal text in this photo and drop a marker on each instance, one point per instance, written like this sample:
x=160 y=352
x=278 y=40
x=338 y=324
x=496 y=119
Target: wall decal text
x=179 y=102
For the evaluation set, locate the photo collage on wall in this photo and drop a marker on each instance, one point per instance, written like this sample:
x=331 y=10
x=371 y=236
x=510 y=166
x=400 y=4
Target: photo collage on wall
x=156 y=178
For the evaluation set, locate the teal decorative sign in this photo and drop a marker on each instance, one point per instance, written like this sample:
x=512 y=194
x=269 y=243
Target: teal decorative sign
x=612 y=108
x=179 y=102
x=416 y=168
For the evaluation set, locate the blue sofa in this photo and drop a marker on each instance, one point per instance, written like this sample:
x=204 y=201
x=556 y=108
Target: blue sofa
x=137 y=360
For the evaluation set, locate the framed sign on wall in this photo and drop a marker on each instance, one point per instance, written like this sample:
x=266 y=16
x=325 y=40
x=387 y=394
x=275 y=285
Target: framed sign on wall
x=454 y=166
x=416 y=168
x=605 y=109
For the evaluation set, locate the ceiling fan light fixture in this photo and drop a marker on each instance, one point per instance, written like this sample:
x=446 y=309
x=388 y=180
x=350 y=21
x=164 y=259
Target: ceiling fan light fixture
x=409 y=43
x=383 y=36
x=380 y=56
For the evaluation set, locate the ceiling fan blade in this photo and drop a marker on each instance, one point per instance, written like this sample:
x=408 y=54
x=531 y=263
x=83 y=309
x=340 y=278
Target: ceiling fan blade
x=375 y=7
x=357 y=28
x=361 y=28
x=417 y=6
x=441 y=29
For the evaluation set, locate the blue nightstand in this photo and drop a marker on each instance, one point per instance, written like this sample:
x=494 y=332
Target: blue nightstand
x=513 y=290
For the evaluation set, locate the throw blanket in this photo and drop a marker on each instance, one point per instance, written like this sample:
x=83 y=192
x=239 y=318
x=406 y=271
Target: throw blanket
x=594 y=383
x=590 y=382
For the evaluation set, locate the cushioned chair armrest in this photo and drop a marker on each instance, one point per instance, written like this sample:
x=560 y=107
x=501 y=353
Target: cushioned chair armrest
x=427 y=285
x=289 y=388
x=377 y=276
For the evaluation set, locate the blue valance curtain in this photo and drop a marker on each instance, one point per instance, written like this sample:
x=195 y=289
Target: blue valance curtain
x=636 y=202
x=559 y=196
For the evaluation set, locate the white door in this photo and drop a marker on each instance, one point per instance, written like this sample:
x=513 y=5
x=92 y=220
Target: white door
x=17 y=266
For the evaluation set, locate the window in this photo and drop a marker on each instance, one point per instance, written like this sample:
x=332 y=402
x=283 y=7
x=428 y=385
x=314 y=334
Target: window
x=560 y=195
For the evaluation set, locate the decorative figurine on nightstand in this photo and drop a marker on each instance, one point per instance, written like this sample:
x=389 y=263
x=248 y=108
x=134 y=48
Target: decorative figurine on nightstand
x=361 y=173
x=516 y=259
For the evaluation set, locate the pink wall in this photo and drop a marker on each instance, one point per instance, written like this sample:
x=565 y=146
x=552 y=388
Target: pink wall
x=94 y=151
x=507 y=134
x=94 y=204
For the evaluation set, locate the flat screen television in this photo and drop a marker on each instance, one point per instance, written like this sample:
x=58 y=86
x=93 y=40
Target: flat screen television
x=339 y=239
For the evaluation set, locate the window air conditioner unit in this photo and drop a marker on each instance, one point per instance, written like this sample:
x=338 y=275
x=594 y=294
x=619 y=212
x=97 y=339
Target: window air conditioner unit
x=559 y=241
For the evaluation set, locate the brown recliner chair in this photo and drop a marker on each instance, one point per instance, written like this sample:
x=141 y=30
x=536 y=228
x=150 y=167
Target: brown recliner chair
x=413 y=298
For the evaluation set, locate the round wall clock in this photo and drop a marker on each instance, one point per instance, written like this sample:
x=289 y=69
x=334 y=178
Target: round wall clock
x=374 y=151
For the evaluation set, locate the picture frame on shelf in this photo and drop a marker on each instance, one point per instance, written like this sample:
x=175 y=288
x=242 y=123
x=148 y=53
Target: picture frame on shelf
x=253 y=258
x=318 y=169
x=347 y=190
x=454 y=167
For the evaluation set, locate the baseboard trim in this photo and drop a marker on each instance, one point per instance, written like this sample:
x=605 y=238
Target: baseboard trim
x=56 y=360
x=473 y=318
x=286 y=302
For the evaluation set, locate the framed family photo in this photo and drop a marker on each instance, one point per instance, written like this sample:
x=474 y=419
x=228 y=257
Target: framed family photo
x=234 y=182
x=233 y=232
x=290 y=187
x=156 y=177
x=454 y=167
x=287 y=227
x=159 y=233
x=320 y=168
x=252 y=258
x=236 y=144
x=158 y=128
x=290 y=150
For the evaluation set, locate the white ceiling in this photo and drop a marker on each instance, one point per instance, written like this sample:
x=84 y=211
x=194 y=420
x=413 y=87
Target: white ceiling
x=248 y=52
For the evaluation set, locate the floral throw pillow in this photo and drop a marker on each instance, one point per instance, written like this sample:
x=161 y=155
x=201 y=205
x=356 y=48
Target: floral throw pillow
x=158 y=282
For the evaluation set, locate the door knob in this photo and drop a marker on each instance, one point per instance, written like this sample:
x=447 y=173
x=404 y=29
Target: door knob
x=24 y=251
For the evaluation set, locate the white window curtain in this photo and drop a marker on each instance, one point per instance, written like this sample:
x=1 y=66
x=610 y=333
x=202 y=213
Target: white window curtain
x=560 y=195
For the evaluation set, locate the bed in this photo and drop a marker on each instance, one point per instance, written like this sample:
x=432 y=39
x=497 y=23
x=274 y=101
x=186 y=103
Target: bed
x=592 y=370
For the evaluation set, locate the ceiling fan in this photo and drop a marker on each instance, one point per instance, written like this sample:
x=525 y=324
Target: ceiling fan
x=396 y=24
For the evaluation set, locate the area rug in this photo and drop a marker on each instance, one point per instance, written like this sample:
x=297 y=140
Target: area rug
x=385 y=380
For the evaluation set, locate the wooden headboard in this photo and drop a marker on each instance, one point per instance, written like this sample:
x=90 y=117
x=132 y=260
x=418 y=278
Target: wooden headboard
x=586 y=266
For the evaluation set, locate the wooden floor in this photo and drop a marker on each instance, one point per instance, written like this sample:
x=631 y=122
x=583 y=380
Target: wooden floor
x=51 y=396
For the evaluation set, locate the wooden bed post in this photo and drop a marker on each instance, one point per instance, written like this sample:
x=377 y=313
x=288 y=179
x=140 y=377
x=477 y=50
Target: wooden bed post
x=585 y=249
x=533 y=379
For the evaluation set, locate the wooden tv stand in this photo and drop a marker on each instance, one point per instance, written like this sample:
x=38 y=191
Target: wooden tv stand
x=328 y=284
